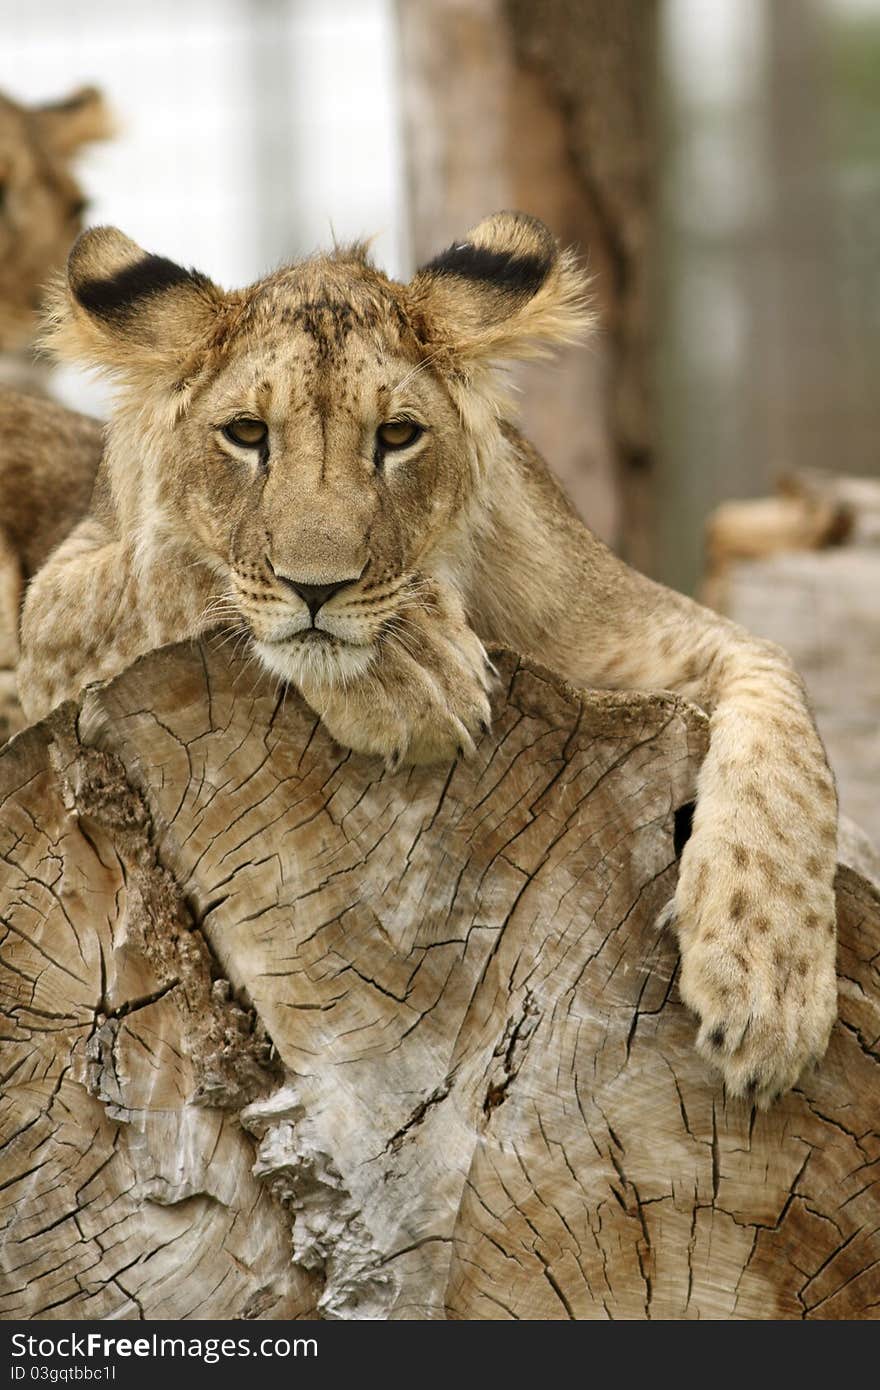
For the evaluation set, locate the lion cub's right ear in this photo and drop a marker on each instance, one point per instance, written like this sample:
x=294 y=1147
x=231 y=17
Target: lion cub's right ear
x=506 y=291
x=138 y=317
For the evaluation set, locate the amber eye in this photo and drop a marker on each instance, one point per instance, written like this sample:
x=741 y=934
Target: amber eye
x=247 y=433
x=398 y=434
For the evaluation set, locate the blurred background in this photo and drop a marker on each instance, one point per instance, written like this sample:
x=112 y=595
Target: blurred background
x=717 y=163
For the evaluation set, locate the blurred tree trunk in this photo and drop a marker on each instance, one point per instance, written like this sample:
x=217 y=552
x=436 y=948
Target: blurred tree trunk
x=548 y=105
x=770 y=262
x=801 y=382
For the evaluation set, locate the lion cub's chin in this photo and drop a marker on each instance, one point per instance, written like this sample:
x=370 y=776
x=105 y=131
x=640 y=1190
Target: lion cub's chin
x=315 y=659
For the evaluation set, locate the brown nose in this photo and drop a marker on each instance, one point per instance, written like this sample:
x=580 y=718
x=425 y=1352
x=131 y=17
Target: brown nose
x=314 y=596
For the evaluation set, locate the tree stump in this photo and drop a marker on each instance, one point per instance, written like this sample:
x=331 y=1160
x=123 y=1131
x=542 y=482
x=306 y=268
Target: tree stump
x=289 y=1037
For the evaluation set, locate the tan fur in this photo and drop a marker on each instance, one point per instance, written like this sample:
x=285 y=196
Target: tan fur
x=48 y=461
x=41 y=207
x=461 y=539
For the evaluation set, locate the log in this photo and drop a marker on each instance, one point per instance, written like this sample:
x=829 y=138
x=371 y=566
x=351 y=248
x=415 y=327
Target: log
x=288 y=1037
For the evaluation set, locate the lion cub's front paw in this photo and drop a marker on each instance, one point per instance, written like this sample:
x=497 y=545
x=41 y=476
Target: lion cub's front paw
x=425 y=697
x=758 y=969
x=439 y=708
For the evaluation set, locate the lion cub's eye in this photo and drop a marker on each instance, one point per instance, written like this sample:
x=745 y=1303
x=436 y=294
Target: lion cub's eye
x=247 y=433
x=398 y=434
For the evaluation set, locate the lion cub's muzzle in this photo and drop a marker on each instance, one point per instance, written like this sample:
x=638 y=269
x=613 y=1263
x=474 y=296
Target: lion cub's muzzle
x=331 y=642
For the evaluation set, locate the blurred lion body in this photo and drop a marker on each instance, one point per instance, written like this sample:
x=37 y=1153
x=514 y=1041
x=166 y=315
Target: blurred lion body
x=323 y=461
x=49 y=458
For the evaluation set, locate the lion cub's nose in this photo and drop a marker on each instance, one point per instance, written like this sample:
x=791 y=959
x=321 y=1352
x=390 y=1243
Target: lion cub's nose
x=314 y=596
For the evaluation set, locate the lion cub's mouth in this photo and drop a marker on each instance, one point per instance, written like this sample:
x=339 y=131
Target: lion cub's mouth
x=314 y=657
x=309 y=634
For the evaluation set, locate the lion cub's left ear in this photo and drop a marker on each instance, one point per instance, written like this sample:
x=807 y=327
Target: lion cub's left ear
x=508 y=290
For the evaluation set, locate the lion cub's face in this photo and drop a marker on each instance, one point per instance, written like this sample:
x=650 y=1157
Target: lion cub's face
x=316 y=436
x=321 y=463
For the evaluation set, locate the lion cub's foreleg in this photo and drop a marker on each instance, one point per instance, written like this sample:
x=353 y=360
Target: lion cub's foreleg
x=76 y=626
x=755 y=906
x=87 y=615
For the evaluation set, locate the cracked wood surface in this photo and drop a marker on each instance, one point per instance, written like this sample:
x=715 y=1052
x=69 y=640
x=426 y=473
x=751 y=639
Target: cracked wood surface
x=287 y=1037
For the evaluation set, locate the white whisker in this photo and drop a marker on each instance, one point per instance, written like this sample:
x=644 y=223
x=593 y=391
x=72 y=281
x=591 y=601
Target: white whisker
x=420 y=366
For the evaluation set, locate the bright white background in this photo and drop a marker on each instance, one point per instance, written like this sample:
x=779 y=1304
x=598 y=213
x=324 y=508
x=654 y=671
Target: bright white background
x=251 y=131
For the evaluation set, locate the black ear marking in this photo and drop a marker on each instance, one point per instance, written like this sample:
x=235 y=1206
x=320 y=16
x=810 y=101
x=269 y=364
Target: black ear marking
x=118 y=296
x=506 y=290
x=520 y=275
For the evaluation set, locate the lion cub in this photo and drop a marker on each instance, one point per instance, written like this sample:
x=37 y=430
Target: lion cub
x=323 y=458
x=41 y=207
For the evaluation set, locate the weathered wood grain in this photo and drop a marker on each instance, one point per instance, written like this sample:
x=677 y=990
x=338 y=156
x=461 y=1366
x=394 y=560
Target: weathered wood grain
x=287 y=1036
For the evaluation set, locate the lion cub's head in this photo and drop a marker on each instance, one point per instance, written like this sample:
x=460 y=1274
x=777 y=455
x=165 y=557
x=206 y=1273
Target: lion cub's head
x=41 y=203
x=317 y=437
